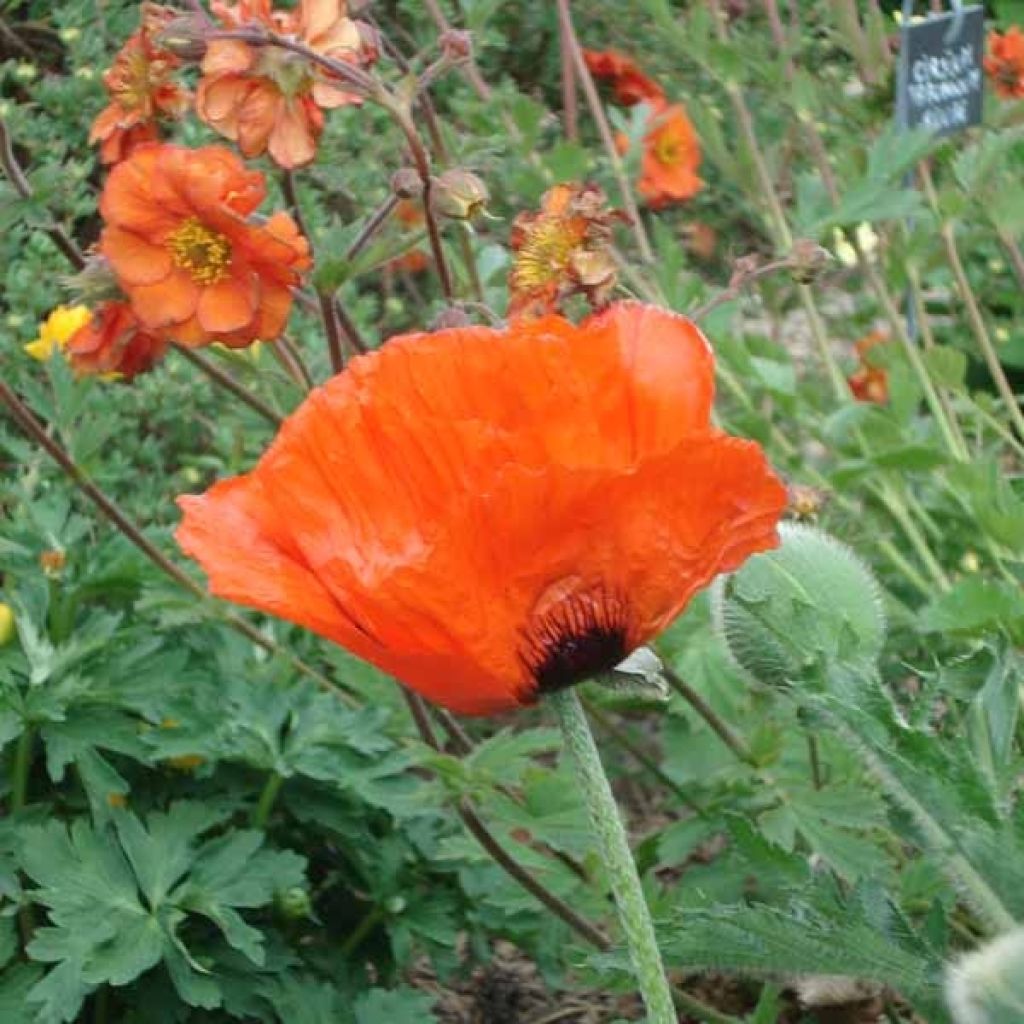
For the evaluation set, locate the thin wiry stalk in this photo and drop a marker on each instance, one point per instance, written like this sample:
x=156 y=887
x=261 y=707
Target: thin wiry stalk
x=972 y=306
x=14 y=173
x=226 y=381
x=586 y=929
x=604 y=129
x=24 y=418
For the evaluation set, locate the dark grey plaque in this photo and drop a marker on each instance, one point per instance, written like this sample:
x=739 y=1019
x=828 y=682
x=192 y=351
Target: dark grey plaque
x=940 y=79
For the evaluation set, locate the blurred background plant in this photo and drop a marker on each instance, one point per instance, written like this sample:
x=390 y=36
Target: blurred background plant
x=213 y=817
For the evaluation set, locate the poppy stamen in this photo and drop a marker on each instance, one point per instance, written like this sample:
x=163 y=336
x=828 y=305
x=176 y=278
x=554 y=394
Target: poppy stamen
x=582 y=636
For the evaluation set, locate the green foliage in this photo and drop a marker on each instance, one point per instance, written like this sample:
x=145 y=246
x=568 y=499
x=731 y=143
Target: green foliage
x=198 y=829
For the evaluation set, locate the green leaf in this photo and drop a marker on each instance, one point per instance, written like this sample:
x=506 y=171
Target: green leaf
x=394 y=1006
x=976 y=606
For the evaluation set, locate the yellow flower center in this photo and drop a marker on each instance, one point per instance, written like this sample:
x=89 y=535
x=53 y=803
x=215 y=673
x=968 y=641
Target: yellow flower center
x=667 y=150
x=545 y=253
x=205 y=254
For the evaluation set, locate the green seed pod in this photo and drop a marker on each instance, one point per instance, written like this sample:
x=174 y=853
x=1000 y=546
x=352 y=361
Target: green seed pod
x=810 y=602
x=293 y=903
x=987 y=986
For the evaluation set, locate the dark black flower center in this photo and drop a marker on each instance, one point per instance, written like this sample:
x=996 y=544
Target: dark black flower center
x=580 y=637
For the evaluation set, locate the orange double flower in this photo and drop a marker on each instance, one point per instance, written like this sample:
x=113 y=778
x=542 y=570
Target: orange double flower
x=185 y=252
x=268 y=99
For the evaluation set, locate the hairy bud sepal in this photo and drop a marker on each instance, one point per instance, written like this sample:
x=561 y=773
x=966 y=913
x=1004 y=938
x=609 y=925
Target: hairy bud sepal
x=787 y=614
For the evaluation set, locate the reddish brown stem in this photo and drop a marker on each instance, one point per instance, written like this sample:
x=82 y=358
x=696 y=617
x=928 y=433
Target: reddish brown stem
x=14 y=173
x=471 y=819
x=226 y=381
x=29 y=425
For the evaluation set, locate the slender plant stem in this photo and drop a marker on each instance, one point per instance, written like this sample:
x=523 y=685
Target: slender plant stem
x=718 y=725
x=265 y=804
x=940 y=409
x=20 y=769
x=607 y=723
x=973 y=309
x=286 y=355
x=14 y=173
x=372 y=226
x=898 y=510
x=474 y=824
x=373 y=917
x=568 y=35
x=348 y=325
x=31 y=426
x=610 y=833
x=226 y=381
x=1014 y=252
x=570 y=114
x=979 y=892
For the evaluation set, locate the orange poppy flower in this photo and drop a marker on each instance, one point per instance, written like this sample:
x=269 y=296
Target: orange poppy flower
x=629 y=84
x=179 y=242
x=114 y=342
x=141 y=88
x=671 y=158
x=869 y=383
x=268 y=99
x=563 y=250
x=1005 y=63
x=489 y=515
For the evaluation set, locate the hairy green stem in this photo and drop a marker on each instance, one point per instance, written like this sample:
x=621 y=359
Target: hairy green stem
x=261 y=812
x=610 y=833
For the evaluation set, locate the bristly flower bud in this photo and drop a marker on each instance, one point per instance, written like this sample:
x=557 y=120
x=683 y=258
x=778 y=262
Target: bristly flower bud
x=456 y=45
x=406 y=183
x=811 y=602
x=987 y=986
x=808 y=260
x=185 y=37
x=451 y=316
x=458 y=195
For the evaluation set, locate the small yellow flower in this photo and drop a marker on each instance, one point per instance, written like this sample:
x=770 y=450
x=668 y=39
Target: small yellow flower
x=56 y=330
x=6 y=624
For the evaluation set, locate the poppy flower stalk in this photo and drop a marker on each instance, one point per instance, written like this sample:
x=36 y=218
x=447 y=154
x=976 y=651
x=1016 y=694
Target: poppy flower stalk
x=623 y=879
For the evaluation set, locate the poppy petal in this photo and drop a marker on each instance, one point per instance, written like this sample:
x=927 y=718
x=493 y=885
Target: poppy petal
x=260 y=567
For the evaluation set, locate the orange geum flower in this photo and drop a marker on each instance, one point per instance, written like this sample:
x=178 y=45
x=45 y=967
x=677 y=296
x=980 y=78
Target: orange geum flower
x=493 y=515
x=269 y=99
x=113 y=343
x=869 y=383
x=629 y=84
x=563 y=250
x=1005 y=63
x=142 y=90
x=671 y=158
x=180 y=243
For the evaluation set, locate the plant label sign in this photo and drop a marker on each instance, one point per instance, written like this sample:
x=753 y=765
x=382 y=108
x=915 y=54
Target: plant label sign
x=940 y=76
